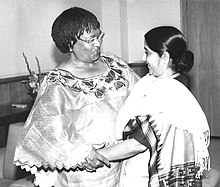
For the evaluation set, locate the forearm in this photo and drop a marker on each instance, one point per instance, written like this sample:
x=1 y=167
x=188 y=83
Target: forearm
x=122 y=150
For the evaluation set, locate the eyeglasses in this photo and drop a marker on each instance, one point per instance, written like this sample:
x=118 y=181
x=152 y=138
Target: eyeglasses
x=98 y=38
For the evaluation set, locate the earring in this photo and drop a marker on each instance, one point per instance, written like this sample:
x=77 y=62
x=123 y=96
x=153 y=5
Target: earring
x=70 y=46
x=70 y=49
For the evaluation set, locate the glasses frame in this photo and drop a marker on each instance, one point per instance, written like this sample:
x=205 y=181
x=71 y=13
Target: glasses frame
x=98 y=38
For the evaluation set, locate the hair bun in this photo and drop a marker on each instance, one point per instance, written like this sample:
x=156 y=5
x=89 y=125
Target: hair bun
x=186 y=63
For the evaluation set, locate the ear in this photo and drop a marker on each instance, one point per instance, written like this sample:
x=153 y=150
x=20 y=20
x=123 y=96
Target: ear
x=166 y=57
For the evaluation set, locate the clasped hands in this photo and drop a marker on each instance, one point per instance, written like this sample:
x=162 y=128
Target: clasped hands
x=95 y=160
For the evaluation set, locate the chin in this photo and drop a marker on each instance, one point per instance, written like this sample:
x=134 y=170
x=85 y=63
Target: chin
x=96 y=57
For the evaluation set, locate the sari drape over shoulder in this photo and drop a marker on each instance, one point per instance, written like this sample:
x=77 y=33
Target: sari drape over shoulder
x=71 y=114
x=169 y=121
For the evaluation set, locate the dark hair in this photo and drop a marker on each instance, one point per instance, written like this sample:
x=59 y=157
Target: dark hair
x=170 y=39
x=71 y=23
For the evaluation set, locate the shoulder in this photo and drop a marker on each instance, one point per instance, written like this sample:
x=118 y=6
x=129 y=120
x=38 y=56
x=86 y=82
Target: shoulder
x=56 y=82
x=115 y=62
x=120 y=64
x=115 y=58
x=183 y=79
x=169 y=88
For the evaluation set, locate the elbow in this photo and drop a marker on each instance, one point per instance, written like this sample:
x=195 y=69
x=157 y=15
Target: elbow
x=142 y=148
x=138 y=147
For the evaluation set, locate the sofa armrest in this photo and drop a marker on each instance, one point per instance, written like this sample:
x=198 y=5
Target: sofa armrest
x=2 y=156
x=211 y=178
x=27 y=181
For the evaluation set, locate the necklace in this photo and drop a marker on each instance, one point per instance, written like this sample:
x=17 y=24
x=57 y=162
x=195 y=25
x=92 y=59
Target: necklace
x=91 y=65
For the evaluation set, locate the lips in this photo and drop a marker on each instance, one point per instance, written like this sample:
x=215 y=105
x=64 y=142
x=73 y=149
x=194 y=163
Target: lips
x=97 y=52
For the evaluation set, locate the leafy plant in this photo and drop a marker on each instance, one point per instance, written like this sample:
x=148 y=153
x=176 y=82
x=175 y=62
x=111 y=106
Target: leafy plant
x=34 y=80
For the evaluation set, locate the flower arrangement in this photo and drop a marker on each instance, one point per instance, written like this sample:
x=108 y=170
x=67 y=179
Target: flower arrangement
x=34 y=80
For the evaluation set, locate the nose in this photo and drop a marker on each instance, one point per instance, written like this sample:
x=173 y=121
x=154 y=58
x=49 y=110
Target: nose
x=143 y=57
x=97 y=43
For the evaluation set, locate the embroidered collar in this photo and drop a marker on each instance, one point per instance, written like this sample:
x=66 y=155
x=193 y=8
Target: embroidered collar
x=112 y=79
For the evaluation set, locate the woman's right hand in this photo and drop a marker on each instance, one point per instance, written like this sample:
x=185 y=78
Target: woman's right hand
x=94 y=161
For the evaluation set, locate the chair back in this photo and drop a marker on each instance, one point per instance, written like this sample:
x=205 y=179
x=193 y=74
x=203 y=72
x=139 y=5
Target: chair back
x=10 y=170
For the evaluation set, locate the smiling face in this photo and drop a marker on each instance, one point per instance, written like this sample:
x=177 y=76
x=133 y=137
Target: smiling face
x=88 y=46
x=157 y=65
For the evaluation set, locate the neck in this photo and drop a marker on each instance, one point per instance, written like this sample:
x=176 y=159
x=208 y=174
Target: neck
x=166 y=74
x=79 y=63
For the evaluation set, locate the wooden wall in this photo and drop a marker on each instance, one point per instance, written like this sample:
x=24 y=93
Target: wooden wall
x=13 y=91
x=201 y=26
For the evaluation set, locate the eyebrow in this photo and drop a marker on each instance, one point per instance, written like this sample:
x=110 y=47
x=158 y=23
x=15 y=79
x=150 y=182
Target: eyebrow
x=96 y=35
x=92 y=36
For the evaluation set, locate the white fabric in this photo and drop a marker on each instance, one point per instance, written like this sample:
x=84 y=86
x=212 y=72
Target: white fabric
x=69 y=116
x=172 y=99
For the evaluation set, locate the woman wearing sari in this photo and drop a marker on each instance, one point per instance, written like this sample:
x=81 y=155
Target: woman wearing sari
x=165 y=131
